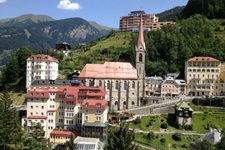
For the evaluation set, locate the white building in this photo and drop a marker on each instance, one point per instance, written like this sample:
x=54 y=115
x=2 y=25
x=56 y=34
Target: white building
x=89 y=143
x=41 y=67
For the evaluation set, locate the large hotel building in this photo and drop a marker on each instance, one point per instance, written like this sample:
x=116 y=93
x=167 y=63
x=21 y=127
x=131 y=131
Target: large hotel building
x=203 y=76
x=131 y=22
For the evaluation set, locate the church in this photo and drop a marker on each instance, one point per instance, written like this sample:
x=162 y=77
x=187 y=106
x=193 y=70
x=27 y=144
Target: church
x=124 y=83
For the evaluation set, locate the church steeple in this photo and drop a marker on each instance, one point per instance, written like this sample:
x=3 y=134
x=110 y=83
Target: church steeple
x=140 y=59
x=140 y=41
x=140 y=51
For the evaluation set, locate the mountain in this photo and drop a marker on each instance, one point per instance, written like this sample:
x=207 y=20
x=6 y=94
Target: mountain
x=24 y=20
x=42 y=32
x=170 y=15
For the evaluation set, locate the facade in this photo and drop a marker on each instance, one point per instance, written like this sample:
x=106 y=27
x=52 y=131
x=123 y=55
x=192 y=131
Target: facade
x=153 y=86
x=124 y=83
x=94 y=118
x=202 y=75
x=173 y=87
x=59 y=137
x=89 y=143
x=183 y=113
x=41 y=67
x=131 y=22
x=61 y=108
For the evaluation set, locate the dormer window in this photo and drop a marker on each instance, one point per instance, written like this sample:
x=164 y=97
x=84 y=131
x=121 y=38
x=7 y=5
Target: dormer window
x=86 y=104
x=98 y=105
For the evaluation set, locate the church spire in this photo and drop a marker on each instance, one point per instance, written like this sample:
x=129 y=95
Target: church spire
x=140 y=41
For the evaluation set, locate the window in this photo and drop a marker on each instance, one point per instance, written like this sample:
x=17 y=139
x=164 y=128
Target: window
x=31 y=114
x=133 y=85
x=86 y=111
x=98 y=118
x=117 y=85
x=108 y=85
x=140 y=57
x=31 y=107
x=42 y=107
x=42 y=114
x=98 y=111
x=100 y=83
x=86 y=117
x=125 y=85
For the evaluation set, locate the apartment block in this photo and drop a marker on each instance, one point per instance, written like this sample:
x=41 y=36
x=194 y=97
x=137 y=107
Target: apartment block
x=61 y=108
x=203 y=75
x=131 y=22
x=41 y=67
x=173 y=87
x=157 y=86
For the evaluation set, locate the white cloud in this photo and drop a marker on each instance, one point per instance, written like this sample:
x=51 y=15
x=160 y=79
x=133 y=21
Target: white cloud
x=2 y=1
x=66 y=4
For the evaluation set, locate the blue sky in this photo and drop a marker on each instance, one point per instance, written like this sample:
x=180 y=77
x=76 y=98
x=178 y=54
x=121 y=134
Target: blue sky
x=104 y=12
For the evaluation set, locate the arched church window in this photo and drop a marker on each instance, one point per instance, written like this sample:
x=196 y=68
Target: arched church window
x=100 y=83
x=140 y=57
x=133 y=85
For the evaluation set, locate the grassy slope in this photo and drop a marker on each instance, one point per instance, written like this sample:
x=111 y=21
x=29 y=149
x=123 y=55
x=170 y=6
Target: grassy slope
x=17 y=98
x=169 y=140
x=95 y=53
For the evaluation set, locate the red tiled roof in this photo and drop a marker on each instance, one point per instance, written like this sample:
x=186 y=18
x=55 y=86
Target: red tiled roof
x=42 y=57
x=61 y=133
x=38 y=93
x=109 y=70
x=203 y=59
x=36 y=117
x=93 y=104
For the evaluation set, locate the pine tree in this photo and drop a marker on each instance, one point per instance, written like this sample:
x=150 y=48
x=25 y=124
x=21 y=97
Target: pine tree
x=121 y=138
x=70 y=145
x=10 y=128
x=36 y=138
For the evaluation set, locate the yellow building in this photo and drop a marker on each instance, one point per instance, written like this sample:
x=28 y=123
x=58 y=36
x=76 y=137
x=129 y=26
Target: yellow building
x=94 y=118
x=202 y=75
x=60 y=136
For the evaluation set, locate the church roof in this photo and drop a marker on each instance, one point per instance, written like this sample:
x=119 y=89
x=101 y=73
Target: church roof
x=109 y=70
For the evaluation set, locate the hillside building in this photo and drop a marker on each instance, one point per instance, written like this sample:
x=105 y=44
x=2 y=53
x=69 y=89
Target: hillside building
x=61 y=108
x=131 y=22
x=41 y=67
x=63 y=48
x=183 y=113
x=125 y=84
x=202 y=75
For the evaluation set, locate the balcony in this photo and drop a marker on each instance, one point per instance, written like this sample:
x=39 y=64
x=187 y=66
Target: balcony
x=203 y=87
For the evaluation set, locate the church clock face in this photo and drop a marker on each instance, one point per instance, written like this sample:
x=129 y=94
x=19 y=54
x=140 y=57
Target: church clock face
x=141 y=48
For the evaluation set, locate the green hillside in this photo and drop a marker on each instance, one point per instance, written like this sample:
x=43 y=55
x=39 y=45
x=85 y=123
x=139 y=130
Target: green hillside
x=110 y=48
x=167 y=49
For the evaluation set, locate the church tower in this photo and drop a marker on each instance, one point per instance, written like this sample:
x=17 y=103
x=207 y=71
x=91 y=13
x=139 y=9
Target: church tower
x=140 y=59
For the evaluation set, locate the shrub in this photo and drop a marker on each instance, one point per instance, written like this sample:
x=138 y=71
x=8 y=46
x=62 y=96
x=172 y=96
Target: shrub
x=177 y=136
x=164 y=125
x=137 y=120
x=188 y=127
x=163 y=140
x=150 y=136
